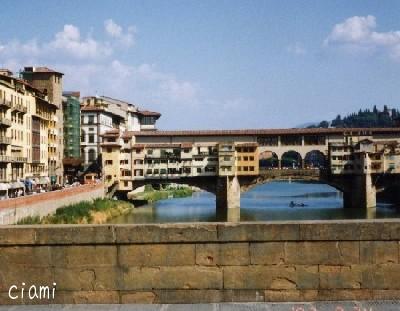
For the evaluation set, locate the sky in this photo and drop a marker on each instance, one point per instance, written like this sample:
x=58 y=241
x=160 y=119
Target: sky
x=215 y=64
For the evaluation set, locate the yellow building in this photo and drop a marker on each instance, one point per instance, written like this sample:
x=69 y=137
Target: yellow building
x=25 y=118
x=246 y=159
x=111 y=157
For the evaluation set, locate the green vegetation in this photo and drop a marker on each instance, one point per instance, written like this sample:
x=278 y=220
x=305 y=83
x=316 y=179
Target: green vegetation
x=150 y=195
x=365 y=119
x=95 y=212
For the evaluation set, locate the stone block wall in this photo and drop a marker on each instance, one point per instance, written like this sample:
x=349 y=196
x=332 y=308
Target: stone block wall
x=42 y=204
x=198 y=263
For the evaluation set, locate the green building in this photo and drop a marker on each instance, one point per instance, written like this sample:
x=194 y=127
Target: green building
x=72 y=136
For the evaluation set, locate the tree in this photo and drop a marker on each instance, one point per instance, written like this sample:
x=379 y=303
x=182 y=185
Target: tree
x=324 y=124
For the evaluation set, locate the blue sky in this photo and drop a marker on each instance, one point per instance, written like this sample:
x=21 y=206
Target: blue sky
x=215 y=64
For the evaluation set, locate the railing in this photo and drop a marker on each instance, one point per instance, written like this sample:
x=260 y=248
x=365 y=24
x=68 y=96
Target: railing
x=20 y=108
x=5 y=103
x=4 y=158
x=4 y=121
x=5 y=140
x=17 y=159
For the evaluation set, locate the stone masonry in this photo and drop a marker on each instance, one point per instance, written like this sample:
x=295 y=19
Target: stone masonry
x=193 y=263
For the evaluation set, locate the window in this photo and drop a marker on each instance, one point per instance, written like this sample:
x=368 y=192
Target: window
x=251 y=168
x=91 y=138
x=92 y=155
x=109 y=150
x=156 y=172
x=227 y=158
x=91 y=120
x=251 y=158
x=126 y=173
x=109 y=162
x=245 y=158
x=149 y=172
x=150 y=151
x=199 y=170
x=239 y=168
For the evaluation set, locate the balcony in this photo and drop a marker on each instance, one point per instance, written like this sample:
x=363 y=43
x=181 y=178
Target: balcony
x=5 y=103
x=4 y=158
x=5 y=122
x=5 y=140
x=20 y=108
x=17 y=159
x=41 y=116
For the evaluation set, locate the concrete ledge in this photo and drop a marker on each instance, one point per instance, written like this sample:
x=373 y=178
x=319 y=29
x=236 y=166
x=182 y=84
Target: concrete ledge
x=321 y=230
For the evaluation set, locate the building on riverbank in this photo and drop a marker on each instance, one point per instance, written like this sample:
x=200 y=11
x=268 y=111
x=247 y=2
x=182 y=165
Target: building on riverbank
x=102 y=114
x=72 y=135
x=28 y=139
x=50 y=83
x=365 y=156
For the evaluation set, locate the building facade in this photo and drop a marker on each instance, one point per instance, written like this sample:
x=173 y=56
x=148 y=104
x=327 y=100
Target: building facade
x=365 y=156
x=50 y=83
x=26 y=139
x=72 y=136
x=101 y=114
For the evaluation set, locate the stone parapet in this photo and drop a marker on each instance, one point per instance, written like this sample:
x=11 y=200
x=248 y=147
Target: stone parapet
x=204 y=262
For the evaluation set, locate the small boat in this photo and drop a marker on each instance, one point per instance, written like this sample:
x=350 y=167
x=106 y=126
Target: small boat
x=293 y=204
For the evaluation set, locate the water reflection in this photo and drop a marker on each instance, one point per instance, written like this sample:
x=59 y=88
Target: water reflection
x=265 y=202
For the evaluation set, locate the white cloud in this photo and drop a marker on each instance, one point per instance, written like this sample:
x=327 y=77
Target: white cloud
x=296 y=49
x=91 y=66
x=115 y=31
x=69 y=41
x=358 y=33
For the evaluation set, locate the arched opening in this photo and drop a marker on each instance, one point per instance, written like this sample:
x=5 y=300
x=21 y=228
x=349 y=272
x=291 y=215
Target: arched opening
x=291 y=159
x=268 y=160
x=92 y=155
x=315 y=159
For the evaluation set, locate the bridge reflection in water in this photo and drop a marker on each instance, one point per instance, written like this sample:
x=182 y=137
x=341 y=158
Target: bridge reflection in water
x=265 y=202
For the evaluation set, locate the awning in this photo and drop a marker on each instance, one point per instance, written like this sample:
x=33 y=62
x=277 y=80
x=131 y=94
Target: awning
x=44 y=180
x=17 y=185
x=4 y=187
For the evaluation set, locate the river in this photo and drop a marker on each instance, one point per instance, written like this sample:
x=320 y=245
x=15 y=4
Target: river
x=265 y=202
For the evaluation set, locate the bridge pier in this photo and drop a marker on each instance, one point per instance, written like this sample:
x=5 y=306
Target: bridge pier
x=360 y=192
x=228 y=198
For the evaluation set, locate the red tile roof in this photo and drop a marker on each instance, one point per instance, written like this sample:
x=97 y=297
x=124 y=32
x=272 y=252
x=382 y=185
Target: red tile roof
x=42 y=69
x=252 y=132
x=246 y=144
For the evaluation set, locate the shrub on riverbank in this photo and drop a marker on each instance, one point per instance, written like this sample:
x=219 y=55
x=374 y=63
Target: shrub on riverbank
x=95 y=212
x=151 y=195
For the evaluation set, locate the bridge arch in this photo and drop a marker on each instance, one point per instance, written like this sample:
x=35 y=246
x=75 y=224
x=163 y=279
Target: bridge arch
x=315 y=159
x=291 y=159
x=268 y=160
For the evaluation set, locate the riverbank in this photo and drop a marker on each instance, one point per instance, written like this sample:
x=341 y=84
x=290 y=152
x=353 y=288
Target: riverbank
x=151 y=195
x=97 y=211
